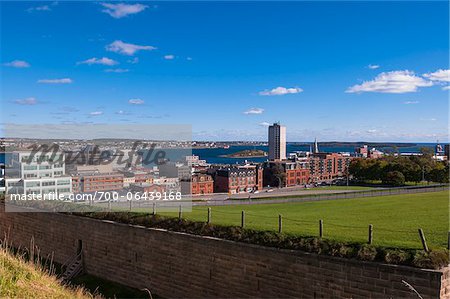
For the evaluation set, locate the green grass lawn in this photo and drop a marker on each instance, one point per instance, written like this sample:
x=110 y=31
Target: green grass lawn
x=395 y=218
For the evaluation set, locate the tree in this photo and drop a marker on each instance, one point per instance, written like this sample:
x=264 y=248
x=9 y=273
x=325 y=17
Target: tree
x=413 y=168
x=439 y=173
x=275 y=176
x=394 y=178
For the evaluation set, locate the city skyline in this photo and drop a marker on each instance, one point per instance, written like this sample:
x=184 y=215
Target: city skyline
x=175 y=63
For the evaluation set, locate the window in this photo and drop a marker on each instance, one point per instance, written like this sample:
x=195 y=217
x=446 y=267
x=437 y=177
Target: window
x=30 y=167
x=33 y=184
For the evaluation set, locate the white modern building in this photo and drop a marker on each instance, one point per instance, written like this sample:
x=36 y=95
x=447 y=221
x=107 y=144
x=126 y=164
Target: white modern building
x=37 y=173
x=277 y=142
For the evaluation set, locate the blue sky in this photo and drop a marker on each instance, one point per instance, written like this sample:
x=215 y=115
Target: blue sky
x=347 y=71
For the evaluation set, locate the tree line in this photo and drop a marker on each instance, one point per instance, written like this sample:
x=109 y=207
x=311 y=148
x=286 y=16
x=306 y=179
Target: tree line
x=396 y=170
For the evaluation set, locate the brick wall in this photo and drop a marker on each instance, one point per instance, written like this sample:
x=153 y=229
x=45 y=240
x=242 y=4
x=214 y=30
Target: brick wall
x=176 y=265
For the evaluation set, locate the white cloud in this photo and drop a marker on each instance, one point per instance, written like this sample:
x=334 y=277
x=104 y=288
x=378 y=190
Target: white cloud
x=134 y=60
x=39 y=8
x=121 y=112
x=120 y=47
x=28 y=101
x=136 y=102
x=254 y=111
x=439 y=76
x=18 y=64
x=280 y=91
x=428 y=119
x=372 y=131
x=411 y=102
x=117 y=70
x=102 y=61
x=373 y=66
x=96 y=113
x=169 y=57
x=189 y=58
x=121 y=10
x=446 y=88
x=391 y=82
x=264 y=124
x=56 y=81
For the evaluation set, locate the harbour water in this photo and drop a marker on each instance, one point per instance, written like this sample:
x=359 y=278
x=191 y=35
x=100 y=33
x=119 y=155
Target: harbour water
x=217 y=155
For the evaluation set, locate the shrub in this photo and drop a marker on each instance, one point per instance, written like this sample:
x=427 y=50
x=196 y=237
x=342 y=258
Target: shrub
x=341 y=250
x=367 y=253
x=431 y=260
x=396 y=256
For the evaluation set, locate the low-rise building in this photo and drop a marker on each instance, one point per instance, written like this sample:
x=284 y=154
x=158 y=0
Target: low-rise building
x=238 y=179
x=92 y=182
x=169 y=184
x=37 y=173
x=146 y=188
x=295 y=173
x=328 y=166
x=362 y=151
x=201 y=184
x=143 y=177
x=447 y=151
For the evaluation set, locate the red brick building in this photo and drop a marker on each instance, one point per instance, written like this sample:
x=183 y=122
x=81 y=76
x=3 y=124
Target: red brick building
x=295 y=173
x=146 y=187
x=76 y=188
x=143 y=177
x=202 y=184
x=297 y=177
x=328 y=166
x=97 y=182
x=238 y=179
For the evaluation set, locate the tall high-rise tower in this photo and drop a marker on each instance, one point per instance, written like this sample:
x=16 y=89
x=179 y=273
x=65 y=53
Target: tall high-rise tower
x=316 y=147
x=277 y=142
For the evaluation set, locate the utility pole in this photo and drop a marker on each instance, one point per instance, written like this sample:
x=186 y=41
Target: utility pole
x=347 y=177
x=423 y=173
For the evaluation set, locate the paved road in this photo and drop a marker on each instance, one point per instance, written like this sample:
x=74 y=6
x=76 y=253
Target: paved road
x=316 y=195
x=264 y=194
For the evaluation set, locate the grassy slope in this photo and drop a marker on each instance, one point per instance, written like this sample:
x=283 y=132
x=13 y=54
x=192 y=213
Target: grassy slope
x=395 y=218
x=19 y=279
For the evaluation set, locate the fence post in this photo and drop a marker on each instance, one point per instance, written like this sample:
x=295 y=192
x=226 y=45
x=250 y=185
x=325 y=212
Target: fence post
x=370 y=234
x=109 y=205
x=209 y=216
x=243 y=219
x=280 y=223
x=180 y=213
x=424 y=241
x=448 y=241
x=130 y=205
x=154 y=209
x=321 y=228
